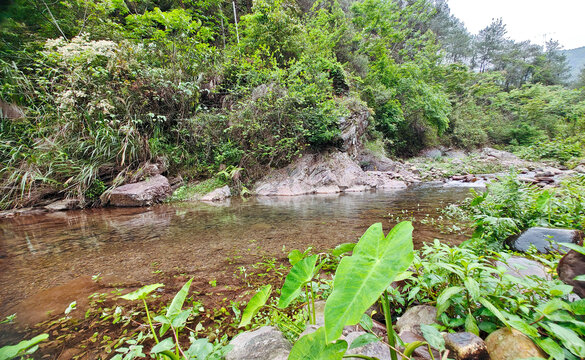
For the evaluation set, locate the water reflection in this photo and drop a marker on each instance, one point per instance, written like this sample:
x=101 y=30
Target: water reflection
x=43 y=251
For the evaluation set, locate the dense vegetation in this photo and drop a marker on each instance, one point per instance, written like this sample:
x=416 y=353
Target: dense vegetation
x=202 y=85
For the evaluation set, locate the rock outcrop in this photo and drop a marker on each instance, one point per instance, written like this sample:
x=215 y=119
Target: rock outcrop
x=143 y=193
x=325 y=173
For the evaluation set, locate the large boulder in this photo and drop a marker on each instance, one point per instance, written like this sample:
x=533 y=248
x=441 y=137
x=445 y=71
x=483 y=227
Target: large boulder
x=541 y=238
x=510 y=344
x=571 y=266
x=466 y=346
x=218 y=194
x=324 y=173
x=416 y=316
x=266 y=343
x=143 y=193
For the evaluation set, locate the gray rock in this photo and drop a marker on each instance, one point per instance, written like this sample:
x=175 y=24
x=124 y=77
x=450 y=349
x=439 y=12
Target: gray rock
x=319 y=313
x=432 y=153
x=466 y=346
x=580 y=169
x=323 y=173
x=10 y=111
x=510 y=344
x=143 y=193
x=415 y=334
x=218 y=194
x=309 y=330
x=265 y=343
x=376 y=349
x=371 y=162
x=455 y=154
x=417 y=315
x=521 y=267
x=570 y=266
x=499 y=154
x=539 y=237
x=62 y=205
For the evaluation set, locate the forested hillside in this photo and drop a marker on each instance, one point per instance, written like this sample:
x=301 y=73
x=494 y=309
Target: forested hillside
x=576 y=61
x=204 y=86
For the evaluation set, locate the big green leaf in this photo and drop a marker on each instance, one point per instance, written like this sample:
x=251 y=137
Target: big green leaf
x=12 y=351
x=165 y=345
x=361 y=278
x=494 y=310
x=300 y=273
x=433 y=336
x=551 y=347
x=471 y=324
x=445 y=296
x=577 y=248
x=255 y=303
x=570 y=339
x=314 y=347
x=176 y=305
x=141 y=293
x=342 y=249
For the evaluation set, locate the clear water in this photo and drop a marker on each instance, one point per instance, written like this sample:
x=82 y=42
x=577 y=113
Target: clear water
x=50 y=257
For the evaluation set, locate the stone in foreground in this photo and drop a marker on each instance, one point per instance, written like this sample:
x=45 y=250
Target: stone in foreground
x=571 y=266
x=539 y=237
x=466 y=346
x=266 y=343
x=143 y=193
x=520 y=267
x=510 y=344
x=416 y=316
x=375 y=349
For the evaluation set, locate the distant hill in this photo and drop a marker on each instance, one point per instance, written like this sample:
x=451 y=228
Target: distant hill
x=576 y=60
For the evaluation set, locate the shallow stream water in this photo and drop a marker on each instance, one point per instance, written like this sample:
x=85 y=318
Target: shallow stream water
x=47 y=260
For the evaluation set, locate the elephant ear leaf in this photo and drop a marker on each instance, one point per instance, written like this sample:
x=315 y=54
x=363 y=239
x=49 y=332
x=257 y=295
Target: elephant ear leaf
x=314 y=347
x=300 y=273
x=141 y=293
x=361 y=278
x=255 y=303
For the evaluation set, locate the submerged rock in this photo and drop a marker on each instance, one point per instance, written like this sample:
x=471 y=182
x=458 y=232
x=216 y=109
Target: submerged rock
x=324 y=173
x=218 y=194
x=466 y=346
x=266 y=343
x=541 y=238
x=571 y=266
x=143 y=193
x=416 y=316
x=510 y=344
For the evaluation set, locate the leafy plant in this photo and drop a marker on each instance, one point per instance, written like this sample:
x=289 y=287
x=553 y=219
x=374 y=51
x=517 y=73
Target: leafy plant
x=25 y=347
